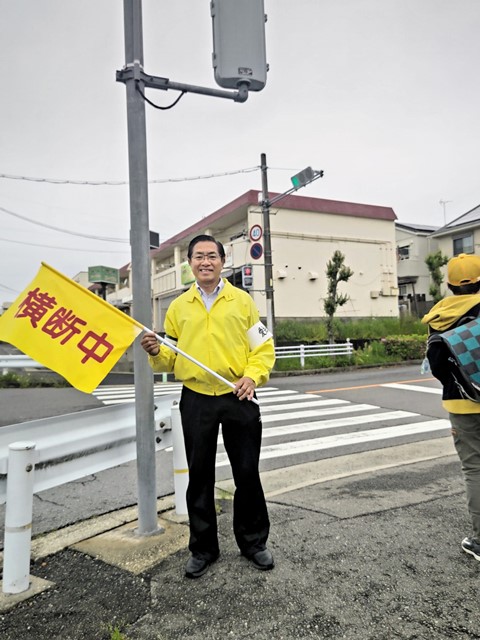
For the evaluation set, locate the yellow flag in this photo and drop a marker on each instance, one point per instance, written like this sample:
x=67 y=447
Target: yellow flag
x=68 y=329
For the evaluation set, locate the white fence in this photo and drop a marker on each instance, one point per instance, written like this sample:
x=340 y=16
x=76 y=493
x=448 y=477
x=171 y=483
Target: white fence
x=303 y=351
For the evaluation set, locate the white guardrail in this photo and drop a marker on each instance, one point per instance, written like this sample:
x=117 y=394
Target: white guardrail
x=18 y=362
x=45 y=453
x=75 y=445
x=303 y=351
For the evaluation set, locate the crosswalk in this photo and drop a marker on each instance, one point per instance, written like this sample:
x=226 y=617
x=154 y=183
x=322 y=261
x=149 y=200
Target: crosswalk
x=303 y=426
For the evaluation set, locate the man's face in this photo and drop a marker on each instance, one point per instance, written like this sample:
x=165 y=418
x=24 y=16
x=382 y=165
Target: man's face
x=206 y=264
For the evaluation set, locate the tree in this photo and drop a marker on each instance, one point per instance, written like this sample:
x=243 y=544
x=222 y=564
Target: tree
x=434 y=262
x=336 y=272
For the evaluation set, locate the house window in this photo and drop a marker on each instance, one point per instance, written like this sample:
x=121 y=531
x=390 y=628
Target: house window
x=463 y=244
x=403 y=253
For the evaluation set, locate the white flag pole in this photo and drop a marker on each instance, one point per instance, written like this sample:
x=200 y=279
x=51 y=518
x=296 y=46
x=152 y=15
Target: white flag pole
x=200 y=364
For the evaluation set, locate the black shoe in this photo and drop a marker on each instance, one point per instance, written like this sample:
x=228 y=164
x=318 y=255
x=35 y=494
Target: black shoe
x=196 y=566
x=262 y=560
x=471 y=546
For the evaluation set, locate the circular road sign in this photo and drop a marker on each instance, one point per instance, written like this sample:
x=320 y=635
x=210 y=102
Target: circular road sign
x=256 y=250
x=256 y=232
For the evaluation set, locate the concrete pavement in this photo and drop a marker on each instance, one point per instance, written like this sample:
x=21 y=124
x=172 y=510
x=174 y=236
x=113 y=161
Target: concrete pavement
x=366 y=546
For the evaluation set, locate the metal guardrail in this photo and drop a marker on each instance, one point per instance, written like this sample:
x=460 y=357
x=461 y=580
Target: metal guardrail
x=303 y=351
x=75 y=445
x=17 y=362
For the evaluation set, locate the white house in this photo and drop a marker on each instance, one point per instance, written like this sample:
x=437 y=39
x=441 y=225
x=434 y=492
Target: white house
x=304 y=234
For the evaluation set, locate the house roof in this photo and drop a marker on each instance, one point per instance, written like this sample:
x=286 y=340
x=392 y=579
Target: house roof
x=416 y=228
x=236 y=210
x=471 y=216
x=469 y=219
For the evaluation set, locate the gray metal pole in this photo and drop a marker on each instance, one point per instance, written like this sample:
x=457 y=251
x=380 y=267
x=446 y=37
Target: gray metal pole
x=267 y=247
x=141 y=270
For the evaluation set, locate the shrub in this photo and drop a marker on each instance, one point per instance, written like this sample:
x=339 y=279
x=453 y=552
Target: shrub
x=405 y=347
x=11 y=380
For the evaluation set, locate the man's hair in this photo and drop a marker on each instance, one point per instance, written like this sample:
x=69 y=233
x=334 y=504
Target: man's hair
x=464 y=289
x=205 y=238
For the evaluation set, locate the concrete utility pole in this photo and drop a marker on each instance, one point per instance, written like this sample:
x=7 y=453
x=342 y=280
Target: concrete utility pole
x=141 y=279
x=267 y=247
x=299 y=180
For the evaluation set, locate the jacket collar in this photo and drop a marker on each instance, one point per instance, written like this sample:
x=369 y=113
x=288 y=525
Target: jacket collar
x=227 y=292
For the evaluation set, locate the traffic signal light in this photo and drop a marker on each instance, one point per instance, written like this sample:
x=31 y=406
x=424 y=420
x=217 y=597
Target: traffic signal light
x=247 y=276
x=303 y=178
x=239 y=52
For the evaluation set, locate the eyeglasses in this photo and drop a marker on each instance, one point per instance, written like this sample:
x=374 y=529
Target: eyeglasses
x=211 y=257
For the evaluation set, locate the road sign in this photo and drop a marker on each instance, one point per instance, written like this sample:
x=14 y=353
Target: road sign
x=256 y=251
x=256 y=232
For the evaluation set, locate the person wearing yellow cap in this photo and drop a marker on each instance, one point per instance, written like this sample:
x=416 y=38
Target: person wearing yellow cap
x=463 y=278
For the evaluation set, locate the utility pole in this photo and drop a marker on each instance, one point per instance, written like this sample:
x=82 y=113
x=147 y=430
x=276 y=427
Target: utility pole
x=141 y=285
x=299 y=180
x=267 y=247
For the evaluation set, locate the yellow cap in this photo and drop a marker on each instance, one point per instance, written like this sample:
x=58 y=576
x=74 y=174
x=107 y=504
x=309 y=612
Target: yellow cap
x=463 y=269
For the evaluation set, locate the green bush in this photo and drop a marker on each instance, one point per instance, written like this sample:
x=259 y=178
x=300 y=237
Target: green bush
x=11 y=380
x=405 y=347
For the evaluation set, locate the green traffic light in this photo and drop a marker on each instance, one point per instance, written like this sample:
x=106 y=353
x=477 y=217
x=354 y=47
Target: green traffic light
x=303 y=178
x=296 y=182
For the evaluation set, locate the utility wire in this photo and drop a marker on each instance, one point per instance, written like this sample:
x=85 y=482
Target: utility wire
x=157 y=106
x=72 y=233
x=117 y=183
x=4 y=286
x=49 y=246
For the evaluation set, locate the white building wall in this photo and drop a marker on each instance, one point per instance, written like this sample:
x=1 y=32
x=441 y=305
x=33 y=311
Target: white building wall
x=302 y=244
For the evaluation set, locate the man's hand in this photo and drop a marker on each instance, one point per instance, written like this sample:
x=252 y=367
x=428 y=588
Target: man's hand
x=150 y=343
x=245 y=388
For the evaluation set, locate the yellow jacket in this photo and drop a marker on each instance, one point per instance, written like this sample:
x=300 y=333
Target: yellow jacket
x=216 y=338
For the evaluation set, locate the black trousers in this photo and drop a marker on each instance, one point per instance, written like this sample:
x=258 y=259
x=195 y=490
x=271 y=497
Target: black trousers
x=242 y=435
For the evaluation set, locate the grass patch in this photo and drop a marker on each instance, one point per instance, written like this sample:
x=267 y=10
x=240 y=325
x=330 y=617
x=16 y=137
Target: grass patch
x=11 y=380
x=363 y=329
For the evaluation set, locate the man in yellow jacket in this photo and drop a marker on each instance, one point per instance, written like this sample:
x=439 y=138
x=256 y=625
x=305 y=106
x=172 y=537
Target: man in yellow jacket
x=218 y=325
x=463 y=277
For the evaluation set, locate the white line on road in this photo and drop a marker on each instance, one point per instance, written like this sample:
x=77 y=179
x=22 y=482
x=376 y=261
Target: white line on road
x=344 y=439
x=412 y=387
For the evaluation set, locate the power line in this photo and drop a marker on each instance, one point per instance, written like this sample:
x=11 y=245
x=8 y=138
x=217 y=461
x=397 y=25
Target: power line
x=72 y=233
x=117 y=183
x=4 y=286
x=48 y=246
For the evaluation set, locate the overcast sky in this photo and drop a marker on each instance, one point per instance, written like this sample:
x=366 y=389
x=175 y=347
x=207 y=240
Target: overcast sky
x=383 y=95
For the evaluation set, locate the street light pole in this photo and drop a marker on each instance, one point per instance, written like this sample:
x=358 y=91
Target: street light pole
x=141 y=286
x=267 y=247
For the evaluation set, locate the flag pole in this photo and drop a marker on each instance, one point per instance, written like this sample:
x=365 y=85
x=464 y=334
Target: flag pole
x=192 y=359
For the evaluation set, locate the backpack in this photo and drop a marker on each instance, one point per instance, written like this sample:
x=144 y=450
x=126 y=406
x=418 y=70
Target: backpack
x=463 y=344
